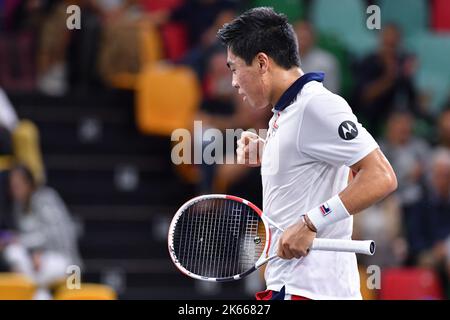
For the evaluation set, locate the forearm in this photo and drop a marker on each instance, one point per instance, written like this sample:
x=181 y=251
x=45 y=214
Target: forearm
x=370 y=185
x=374 y=180
x=365 y=190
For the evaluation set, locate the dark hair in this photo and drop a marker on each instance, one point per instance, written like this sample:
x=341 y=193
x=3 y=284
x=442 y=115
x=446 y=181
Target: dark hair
x=262 y=30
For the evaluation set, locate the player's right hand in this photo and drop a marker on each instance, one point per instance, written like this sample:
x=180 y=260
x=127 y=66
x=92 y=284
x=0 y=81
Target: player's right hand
x=249 y=149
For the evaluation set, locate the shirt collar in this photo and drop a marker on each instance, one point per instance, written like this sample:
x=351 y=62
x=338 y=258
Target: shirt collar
x=291 y=93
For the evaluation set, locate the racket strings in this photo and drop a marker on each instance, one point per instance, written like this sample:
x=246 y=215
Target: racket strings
x=219 y=238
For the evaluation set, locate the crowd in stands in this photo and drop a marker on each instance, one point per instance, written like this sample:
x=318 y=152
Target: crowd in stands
x=393 y=78
x=38 y=237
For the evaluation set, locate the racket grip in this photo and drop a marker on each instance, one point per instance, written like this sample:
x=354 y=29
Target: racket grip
x=356 y=246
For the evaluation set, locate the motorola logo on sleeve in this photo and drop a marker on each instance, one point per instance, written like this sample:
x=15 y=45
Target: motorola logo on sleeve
x=348 y=130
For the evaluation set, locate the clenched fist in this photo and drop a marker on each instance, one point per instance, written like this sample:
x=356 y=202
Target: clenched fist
x=249 y=149
x=296 y=241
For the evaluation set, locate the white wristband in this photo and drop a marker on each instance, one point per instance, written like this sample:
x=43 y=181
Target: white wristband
x=328 y=213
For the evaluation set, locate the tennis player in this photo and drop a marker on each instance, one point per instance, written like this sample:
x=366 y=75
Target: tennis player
x=328 y=166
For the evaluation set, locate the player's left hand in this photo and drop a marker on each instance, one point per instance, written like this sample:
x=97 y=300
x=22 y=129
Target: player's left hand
x=295 y=241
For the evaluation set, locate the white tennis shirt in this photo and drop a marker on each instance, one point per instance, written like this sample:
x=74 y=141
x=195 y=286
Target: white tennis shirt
x=312 y=140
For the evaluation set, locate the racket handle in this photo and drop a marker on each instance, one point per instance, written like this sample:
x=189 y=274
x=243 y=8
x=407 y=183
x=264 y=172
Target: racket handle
x=356 y=246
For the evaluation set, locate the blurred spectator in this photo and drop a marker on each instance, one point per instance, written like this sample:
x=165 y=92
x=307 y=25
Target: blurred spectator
x=216 y=110
x=46 y=243
x=428 y=222
x=25 y=139
x=83 y=46
x=222 y=108
x=315 y=59
x=382 y=223
x=385 y=80
x=27 y=149
x=8 y=116
x=121 y=46
x=407 y=154
x=22 y=23
x=202 y=19
x=8 y=122
x=51 y=60
x=443 y=134
x=26 y=14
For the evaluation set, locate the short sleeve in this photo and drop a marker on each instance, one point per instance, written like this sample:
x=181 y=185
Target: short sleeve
x=330 y=132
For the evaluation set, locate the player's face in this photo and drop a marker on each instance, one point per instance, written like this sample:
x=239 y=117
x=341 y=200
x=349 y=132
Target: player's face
x=248 y=80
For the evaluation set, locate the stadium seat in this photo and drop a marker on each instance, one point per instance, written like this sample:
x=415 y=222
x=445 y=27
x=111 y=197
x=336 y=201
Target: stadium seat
x=88 y=291
x=410 y=15
x=14 y=286
x=174 y=37
x=167 y=99
x=346 y=20
x=293 y=9
x=151 y=44
x=410 y=284
x=441 y=16
x=433 y=75
x=150 y=50
x=154 y=5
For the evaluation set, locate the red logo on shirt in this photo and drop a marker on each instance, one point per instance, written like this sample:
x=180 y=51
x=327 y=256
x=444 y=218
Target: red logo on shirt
x=275 y=125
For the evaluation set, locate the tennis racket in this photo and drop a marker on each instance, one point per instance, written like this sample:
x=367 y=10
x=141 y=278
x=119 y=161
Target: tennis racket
x=219 y=237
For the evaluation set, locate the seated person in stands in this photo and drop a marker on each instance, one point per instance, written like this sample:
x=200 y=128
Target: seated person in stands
x=222 y=108
x=314 y=59
x=201 y=19
x=428 y=223
x=385 y=81
x=46 y=240
x=19 y=143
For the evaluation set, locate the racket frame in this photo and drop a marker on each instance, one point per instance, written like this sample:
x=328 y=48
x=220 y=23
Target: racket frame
x=261 y=260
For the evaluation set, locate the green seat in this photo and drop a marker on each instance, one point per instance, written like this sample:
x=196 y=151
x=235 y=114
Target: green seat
x=410 y=15
x=293 y=9
x=433 y=75
x=346 y=20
